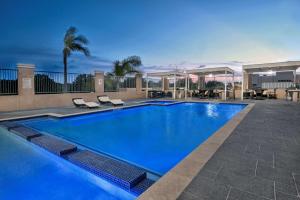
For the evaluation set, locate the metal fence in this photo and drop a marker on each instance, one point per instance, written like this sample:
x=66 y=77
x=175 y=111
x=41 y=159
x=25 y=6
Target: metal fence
x=153 y=83
x=53 y=82
x=115 y=83
x=8 y=81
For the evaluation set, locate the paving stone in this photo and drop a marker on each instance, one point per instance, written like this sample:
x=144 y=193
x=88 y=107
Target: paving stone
x=205 y=173
x=282 y=196
x=286 y=188
x=297 y=180
x=189 y=196
x=207 y=189
x=236 y=194
x=274 y=174
x=259 y=186
x=236 y=178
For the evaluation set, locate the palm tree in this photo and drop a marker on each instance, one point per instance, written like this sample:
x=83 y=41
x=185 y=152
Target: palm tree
x=126 y=66
x=72 y=43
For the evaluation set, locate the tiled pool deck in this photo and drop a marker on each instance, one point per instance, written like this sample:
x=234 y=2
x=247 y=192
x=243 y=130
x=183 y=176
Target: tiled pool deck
x=259 y=160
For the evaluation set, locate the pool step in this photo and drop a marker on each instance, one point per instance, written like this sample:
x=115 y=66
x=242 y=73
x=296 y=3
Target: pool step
x=142 y=186
x=24 y=132
x=121 y=173
x=56 y=146
x=9 y=124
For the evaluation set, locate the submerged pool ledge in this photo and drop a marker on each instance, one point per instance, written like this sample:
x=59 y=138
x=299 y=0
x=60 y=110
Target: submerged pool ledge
x=172 y=184
x=129 y=177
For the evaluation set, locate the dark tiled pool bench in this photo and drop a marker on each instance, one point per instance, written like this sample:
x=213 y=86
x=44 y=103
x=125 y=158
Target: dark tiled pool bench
x=56 y=146
x=25 y=132
x=127 y=176
x=121 y=173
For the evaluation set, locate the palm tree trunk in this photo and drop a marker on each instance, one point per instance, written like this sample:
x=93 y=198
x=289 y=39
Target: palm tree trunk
x=65 y=74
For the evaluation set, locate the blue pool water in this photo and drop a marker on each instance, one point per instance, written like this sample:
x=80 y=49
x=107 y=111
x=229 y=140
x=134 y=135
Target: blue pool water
x=28 y=172
x=153 y=137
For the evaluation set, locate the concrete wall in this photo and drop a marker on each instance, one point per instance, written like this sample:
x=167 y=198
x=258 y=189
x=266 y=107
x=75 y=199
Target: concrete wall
x=27 y=99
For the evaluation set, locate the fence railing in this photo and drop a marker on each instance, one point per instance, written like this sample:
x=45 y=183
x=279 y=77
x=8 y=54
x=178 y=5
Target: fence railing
x=53 y=82
x=8 y=81
x=115 y=83
x=153 y=83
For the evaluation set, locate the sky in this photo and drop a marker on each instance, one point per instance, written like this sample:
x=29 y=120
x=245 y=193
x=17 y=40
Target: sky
x=166 y=34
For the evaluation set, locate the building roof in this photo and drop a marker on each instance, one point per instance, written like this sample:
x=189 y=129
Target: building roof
x=279 y=66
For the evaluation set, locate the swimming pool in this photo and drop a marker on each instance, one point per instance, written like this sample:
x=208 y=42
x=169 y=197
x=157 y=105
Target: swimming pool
x=27 y=172
x=153 y=137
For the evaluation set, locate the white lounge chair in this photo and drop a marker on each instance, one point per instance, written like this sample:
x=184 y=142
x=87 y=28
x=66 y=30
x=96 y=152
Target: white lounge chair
x=79 y=102
x=105 y=99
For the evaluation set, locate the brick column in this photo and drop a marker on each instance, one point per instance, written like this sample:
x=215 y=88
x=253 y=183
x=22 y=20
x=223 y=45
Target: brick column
x=26 y=85
x=139 y=83
x=99 y=82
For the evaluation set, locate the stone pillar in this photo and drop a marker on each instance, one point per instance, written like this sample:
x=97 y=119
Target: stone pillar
x=139 y=83
x=26 y=85
x=99 y=82
x=166 y=84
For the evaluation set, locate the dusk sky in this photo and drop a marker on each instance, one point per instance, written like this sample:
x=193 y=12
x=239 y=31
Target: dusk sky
x=164 y=33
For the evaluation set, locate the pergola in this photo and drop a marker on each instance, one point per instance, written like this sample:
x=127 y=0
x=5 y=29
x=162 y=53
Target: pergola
x=170 y=74
x=214 y=71
x=185 y=74
x=267 y=67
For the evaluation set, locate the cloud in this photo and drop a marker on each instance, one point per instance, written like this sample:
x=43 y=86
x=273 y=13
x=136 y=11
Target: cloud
x=51 y=59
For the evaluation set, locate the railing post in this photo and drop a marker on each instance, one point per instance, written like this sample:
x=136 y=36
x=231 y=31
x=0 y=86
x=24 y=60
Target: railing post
x=138 y=83
x=99 y=82
x=26 y=85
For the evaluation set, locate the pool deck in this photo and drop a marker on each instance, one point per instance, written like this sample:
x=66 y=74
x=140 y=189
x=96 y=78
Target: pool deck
x=260 y=159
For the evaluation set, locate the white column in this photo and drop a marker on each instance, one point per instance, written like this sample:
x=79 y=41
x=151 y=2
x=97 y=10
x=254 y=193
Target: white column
x=242 y=89
x=198 y=82
x=225 y=98
x=174 y=89
x=185 y=87
x=295 y=78
x=147 y=86
x=188 y=83
x=233 y=89
x=163 y=84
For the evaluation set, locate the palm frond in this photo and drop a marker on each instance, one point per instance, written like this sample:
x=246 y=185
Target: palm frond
x=80 y=48
x=81 y=39
x=133 y=61
x=70 y=32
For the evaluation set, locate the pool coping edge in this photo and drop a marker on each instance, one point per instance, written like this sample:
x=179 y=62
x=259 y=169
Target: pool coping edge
x=173 y=183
